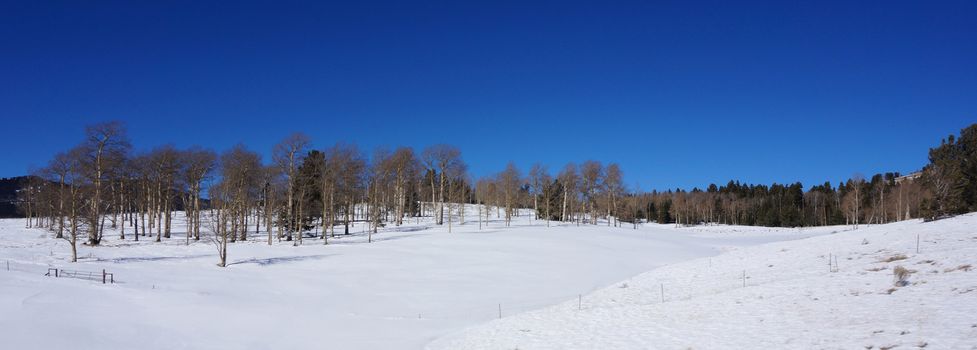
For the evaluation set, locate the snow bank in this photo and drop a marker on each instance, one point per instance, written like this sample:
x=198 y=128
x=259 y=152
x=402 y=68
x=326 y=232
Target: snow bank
x=415 y=283
x=777 y=295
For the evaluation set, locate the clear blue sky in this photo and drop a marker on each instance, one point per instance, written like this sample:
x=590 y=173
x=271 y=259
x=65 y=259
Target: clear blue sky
x=680 y=93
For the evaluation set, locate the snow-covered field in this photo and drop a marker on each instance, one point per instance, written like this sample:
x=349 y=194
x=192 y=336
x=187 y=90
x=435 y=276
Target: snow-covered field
x=781 y=295
x=413 y=285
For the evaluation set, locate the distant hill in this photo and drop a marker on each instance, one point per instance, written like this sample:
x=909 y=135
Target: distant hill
x=9 y=186
x=8 y=196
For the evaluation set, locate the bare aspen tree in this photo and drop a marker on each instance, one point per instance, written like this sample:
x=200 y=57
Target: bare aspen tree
x=481 y=200
x=614 y=186
x=569 y=179
x=234 y=195
x=455 y=181
x=126 y=180
x=73 y=162
x=442 y=158
x=509 y=180
x=219 y=202
x=544 y=182
x=347 y=168
x=287 y=154
x=199 y=164
x=141 y=174
x=468 y=193
x=379 y=176
x=105 y=144
x=60 y=168
x=268 y=178
x=591 y=173
x=405 y=168
x=857 y=180
x=536 y=184
x=327 y=191
x=166 y=166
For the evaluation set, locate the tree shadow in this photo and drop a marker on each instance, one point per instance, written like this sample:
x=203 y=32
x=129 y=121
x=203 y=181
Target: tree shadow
x=279 y=260
x=406 y=229
x=151 y=258
x=361 y=238
x=392 y=238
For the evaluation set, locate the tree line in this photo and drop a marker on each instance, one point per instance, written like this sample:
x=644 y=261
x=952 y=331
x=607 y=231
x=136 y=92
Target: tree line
x=307 y=193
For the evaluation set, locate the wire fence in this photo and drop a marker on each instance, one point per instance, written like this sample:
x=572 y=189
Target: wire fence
x=697 y=282
x=52 y=271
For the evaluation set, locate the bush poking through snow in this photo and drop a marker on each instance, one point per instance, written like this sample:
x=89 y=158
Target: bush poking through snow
x=894 y=258
x=901 y=275
x=964 y=268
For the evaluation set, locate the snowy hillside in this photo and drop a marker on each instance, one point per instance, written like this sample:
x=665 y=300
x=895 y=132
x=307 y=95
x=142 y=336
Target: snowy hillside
x=415 y=283
x=778 y=295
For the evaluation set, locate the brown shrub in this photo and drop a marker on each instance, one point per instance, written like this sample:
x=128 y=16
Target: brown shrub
x=894 y=258
x=901 y=275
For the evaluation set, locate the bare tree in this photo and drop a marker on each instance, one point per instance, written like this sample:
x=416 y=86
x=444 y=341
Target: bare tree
x=547 y=189
x=614 y=186
x=536 y=184
x=60 y=168
x=569 y=179
x=234 y=196
x=346 y=173
x=405 y=168
x=857 y=181
x=166 y=166
x=270 y=187
x=105 y=144
x=287 y=154
x=442 y=159
x=199 y=164
x=219 y=201
x=592 y=173
x=509 y=179
x=72 y=205
x=455 y=176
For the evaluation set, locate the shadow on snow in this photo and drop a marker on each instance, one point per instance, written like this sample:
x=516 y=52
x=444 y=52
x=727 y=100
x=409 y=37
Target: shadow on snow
x=279 y=260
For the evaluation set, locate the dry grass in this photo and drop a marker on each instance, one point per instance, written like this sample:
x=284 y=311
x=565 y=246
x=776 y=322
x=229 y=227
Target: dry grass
x=901 y=275
x=964 y=268
x=894 y=258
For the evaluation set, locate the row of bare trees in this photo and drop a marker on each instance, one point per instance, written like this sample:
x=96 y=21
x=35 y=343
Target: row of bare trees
x=100 y=183
x=303 y=193
x=307 y=193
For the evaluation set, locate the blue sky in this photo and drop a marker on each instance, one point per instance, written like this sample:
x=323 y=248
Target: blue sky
x=681 y=94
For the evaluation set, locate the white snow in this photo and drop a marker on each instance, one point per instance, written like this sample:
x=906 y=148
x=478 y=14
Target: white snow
x=792 y=298
x=416 y=283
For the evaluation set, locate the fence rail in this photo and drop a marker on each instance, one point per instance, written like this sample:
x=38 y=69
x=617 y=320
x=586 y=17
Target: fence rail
x=98 y=276
x=105 y=277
